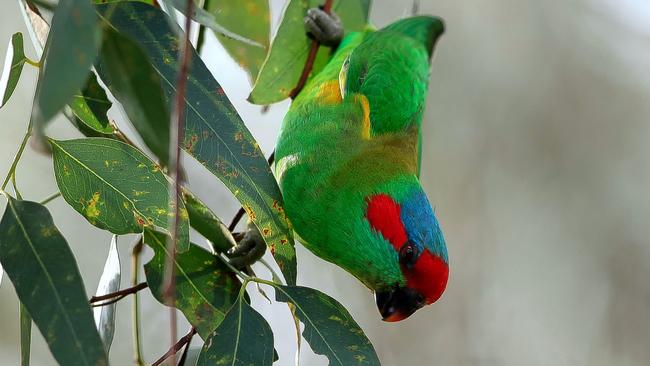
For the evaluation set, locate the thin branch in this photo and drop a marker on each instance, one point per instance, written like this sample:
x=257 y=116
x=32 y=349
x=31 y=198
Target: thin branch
x=50 y=198
x=187 y=348
x=120 y=293
x=21 y=149
x=311 y=57
x=176 y=347
x=135 y=307
x=176 y=139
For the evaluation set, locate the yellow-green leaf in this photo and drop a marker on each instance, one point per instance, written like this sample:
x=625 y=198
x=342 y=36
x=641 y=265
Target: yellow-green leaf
x=115 y=187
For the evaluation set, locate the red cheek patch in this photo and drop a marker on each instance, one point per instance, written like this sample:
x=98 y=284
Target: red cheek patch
x=383 y=214
x=429 y=276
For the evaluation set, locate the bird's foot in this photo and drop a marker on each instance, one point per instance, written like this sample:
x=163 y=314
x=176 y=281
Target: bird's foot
x=325 y=28
x=249 y=249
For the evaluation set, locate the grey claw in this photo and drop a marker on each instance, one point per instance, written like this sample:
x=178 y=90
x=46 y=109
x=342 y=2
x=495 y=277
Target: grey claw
x=248 y=250
x=323 y=27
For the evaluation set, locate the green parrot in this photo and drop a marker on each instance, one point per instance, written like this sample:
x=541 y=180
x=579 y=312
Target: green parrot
x=348 y=162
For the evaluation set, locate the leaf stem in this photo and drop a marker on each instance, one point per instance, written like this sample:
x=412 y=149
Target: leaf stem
x=50 y=198
x=311 y=57
x=29 y=61
x=19 y=154
x=176 y=347
x=119 y=294
x=135 y=306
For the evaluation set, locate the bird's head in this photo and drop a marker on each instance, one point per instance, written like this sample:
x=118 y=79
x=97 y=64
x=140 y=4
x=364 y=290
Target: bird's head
x=409 y=225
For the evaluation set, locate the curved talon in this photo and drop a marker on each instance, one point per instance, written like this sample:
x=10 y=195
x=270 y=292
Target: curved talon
x=249 y=249
x=325 y=28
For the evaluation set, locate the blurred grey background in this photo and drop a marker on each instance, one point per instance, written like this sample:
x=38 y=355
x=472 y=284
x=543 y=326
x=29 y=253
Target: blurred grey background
x=535 y=156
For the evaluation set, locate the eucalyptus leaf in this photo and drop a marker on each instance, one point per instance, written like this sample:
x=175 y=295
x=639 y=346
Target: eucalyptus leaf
x=204 y=287
x=71 y=47
x=133 y=81
x=36 y=26
x=205 y=18
x=13 y=67
x=251 y=19
x=329 y=328
x=206 y=223
x=44 y=273
x=91 y=106
x=286 y=59
x=214 y=133
x=115 y=187
x=244 y=338
x=109 y=282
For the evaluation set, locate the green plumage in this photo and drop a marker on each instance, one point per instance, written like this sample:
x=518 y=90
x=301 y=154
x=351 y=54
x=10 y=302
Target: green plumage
x=340 y=144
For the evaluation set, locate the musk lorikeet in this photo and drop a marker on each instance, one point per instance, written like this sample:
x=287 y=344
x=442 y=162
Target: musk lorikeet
x=348 y=162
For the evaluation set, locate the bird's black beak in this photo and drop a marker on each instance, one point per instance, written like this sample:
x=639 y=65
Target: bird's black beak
x=398 y=303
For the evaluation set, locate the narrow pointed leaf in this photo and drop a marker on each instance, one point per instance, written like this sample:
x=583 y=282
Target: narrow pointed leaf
x=91 y=106
x=206 y=223
x=329 y=328
x=130 y=77
x=70 y=50
x=286 y=59
x=203 y=17
x=25 y=335
x=36 y=26
x=114 y=186
x=204 y=287
x=251 y=19
x=44 y=273
x=215 y=135
x=13 y=67
x=244 y=338
x=109 y=282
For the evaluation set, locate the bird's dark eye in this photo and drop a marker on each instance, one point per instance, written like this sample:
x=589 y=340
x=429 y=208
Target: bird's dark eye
x=408 y=254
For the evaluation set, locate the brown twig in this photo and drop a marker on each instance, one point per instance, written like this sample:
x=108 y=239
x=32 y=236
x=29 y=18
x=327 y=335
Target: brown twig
x=119 y=294
x=181 y=362
x=311 y=57
x=176 y=347
x=176 y=138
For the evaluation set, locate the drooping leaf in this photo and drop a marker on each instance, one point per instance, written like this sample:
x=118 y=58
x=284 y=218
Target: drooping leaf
x=251 y=19
x=13 y=67
x=109 y=282
x=25 y=335
x=214 y=133
x=244 y=338
x=329 y=328
x=44 y=273
x=204 y=287
x=130 y=77
x=91 y=106
x=206 y=223
x=114 y=186
x=71 y=47
x=290 y=47
x=203 y=17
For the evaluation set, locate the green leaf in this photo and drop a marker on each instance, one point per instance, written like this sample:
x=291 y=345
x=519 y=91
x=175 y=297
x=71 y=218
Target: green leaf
x=91 y=106
x=71 y=47
x=25 y=335
x=329 y=328
x=13 y=67
x=114 y=186
x=251 y=19
x=290 y=47
x=244 y=338
x=109 y=282
x=203 y=17
x=133 y=81
x=214 y=133
x=206 y=223
x=204 y=287
x=44 y=273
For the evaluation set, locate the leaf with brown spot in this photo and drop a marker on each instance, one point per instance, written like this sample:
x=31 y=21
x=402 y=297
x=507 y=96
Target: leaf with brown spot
x=204 y=287
x=114 y=186
x=210 y=116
